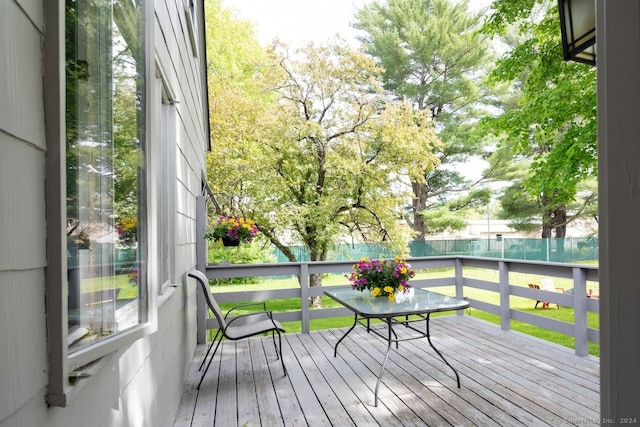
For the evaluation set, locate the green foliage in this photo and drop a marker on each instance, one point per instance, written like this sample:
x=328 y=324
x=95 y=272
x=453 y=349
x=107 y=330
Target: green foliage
x=521 y=208
x=554 y=123
x=509 y=11
x=433 y=56
x=258 y=252
x=307 y=145
x=337 y=151
x=442 y=219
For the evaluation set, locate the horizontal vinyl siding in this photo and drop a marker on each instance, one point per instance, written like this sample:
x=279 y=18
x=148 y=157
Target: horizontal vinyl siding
x=23 y=356
x=21 y=109
x=140 y=385
x=22 y=211
x=23 y=353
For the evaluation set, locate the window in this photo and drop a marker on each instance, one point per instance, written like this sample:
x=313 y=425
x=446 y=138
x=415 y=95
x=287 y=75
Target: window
x=98 y=286
x=190 y=15
x=164 y=149
x=106 y=170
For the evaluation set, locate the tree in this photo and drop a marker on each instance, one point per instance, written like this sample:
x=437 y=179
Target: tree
x=237 y=98
x=341 y=153
x=433 y=57
x=326 y=158
x=554 y=122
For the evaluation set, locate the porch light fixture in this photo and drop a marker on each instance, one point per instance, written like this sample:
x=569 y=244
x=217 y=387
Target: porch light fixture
x=578 y=28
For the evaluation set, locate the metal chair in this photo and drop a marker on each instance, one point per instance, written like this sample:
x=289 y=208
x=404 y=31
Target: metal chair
x=547 y=285
x=237 y=327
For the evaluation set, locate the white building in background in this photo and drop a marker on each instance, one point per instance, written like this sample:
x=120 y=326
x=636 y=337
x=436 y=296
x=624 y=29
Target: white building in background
x=494 y=228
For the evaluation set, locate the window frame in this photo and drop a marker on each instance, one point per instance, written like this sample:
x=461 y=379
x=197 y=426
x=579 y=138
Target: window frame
x=163 y=132
x=190 y=16
x=63 y=366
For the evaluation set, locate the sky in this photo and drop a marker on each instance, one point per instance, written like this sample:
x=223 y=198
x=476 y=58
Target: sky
x=298 y=21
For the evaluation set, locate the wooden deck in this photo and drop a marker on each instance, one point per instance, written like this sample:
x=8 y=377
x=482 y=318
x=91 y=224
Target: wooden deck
x=507 y=379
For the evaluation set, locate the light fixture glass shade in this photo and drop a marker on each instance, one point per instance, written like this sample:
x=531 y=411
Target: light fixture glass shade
x=578 y=28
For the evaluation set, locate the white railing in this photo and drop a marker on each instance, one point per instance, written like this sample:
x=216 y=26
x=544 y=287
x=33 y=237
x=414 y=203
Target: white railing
x=464 y=276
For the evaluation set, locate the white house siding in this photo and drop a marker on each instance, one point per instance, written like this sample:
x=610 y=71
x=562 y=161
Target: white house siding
x=140 y=385
x=23 y=350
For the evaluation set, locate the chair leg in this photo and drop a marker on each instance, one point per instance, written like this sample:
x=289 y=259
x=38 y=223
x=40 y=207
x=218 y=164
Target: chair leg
x=210 y=360
x=208 y=350
x=279 y=348
x=273 y=337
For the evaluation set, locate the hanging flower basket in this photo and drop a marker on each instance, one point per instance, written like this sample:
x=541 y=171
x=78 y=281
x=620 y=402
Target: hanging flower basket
x=226 y=241
x=232 y=230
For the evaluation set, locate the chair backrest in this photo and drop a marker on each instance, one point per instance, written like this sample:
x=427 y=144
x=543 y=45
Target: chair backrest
x=208 y=296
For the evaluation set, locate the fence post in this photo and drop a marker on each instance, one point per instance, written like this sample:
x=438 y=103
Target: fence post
x=548 y=242
x=459 y=282
x=580 y=311
x=503 y=287
x=304 y=296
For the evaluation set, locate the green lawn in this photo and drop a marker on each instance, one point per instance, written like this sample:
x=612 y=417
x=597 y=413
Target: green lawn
x=564 y=314
x=128 y=289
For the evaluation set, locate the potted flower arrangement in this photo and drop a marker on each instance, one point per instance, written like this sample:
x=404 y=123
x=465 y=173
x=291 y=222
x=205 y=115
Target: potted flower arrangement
x=128 y=230
x=382 y=277
x=232 y=230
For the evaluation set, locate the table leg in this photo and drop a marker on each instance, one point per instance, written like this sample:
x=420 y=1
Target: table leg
x=384 y=364
x=440 y=354
x=355 y=322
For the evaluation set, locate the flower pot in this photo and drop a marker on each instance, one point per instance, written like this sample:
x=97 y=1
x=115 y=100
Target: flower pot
x=230 y=242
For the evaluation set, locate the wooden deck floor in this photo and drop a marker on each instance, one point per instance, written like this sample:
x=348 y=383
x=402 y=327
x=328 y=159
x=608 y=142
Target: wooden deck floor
x=507 y=379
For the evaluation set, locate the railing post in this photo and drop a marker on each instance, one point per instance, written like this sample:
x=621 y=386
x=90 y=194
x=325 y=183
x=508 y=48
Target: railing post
x=503 y=287
x=304 y=297
x=459 y=281
x=201 y=264
x=580 y=311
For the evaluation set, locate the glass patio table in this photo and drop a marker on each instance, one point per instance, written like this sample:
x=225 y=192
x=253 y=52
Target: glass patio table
x=413 y=308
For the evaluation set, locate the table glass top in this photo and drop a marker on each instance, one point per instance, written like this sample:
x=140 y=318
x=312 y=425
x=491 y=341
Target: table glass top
x=421 y=302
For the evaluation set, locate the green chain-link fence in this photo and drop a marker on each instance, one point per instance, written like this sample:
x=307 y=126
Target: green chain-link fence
x=568 y=249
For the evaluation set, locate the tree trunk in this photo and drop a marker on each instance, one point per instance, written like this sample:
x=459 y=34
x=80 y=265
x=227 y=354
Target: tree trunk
x=315 y=280
x=554 y=219
x=547 y=230
x=418 y=205
x=559 y=223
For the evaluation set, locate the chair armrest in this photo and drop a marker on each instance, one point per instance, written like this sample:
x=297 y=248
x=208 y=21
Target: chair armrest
x=560 y=289
x=261 y=304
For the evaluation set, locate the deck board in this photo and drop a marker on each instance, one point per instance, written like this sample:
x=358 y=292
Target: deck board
x=507 y=379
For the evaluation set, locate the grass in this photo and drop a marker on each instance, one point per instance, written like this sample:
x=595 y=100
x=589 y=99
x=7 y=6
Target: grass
x=564 y=314
x=121 y=281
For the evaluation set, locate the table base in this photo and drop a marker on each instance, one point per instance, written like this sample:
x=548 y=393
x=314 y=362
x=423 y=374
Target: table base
x=391 y=337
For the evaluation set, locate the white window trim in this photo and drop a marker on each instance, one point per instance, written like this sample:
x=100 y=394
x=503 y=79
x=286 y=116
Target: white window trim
x=190 y=15
x=164 y=137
